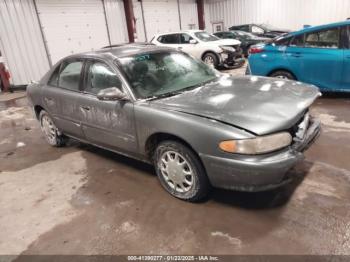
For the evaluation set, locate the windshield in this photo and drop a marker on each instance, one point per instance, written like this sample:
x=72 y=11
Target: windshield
x=268 y=27
x=206 y=37
x=165 y=73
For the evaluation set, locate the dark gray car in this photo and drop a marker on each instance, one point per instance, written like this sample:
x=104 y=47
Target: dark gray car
x=199 y=128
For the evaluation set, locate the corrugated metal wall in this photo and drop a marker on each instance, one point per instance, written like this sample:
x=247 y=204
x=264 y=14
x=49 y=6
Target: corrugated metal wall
x=290 y=14
x=164 y=16
x=116 y=21
x=21 y=41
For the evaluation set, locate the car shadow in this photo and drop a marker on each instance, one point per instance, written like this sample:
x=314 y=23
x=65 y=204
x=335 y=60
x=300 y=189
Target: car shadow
x=246 y=200
x=267 y=199
x=336 y=95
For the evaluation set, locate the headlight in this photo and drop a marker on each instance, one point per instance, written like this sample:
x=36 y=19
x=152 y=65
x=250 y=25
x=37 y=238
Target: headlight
x=227 y=48
x=258 y=145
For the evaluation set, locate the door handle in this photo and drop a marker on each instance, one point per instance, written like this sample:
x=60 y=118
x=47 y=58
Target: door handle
x=85 y=108
x=48 y=100
x=179 y=48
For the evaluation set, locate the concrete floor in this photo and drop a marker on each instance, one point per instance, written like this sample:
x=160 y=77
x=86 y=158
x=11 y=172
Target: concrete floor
x=83 y=200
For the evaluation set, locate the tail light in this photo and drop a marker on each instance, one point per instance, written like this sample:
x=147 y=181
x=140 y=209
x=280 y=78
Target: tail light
x=256 y=50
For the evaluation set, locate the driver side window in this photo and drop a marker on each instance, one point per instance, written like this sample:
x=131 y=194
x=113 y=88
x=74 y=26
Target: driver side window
x=100 y=76
x=185 y=38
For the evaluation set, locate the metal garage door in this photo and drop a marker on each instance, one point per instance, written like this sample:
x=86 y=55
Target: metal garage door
x=72 y=26
x=160 y=16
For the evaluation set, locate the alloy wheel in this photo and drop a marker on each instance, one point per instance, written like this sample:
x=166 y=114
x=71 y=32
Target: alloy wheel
x=209 y=60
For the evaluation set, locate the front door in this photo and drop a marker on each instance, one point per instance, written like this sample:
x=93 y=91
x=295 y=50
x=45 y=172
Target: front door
x=189 y=48
x=106 y=123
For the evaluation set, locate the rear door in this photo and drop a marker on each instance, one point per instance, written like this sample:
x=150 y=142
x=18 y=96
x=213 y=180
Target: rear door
x=61 y=96
x=346 y=70
x=106 y=123
x=317 y=58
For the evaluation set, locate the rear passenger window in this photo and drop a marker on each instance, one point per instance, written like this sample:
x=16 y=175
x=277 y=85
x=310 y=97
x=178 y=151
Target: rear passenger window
x=169 y=39
x=297 y=41
x=323 y=39
x=54 y=77
x=70 y=75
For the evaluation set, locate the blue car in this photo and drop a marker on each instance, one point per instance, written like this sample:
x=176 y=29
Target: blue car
x=316 y=55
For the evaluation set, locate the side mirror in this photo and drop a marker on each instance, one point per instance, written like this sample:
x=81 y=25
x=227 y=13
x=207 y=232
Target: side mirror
x=192 y=41
x=112 y=94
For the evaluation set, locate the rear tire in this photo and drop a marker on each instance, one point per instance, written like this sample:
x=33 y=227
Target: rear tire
x=52 y=135
x=211 y=59
x=282 y=74
x=180 y=172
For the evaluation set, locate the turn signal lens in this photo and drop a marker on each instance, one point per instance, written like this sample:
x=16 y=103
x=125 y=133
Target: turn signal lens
x=258 y=145
x=228 y=146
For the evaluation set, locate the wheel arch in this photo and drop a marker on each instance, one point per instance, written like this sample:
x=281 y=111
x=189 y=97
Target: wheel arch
x=37 y=110
x=212 y=52
x=153 y=140
x=283 y=69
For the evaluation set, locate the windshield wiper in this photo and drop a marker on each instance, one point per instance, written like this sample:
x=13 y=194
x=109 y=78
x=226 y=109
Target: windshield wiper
x=155 y=97
x=164 y=95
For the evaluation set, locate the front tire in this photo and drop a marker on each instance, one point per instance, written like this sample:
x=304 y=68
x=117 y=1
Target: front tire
x=180 y=172
x=52 y=135
x=211 y=59
x=282 y=74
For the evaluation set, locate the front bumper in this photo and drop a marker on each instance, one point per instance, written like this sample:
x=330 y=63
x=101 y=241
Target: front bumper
x=232 y=59
x=260 y=172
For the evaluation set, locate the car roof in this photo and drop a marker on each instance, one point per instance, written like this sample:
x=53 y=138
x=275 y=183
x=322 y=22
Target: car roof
x=320 y=27
x=122 y=50
x=180 y=32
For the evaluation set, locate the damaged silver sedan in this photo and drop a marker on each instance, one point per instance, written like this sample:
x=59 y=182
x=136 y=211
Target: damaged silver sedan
x=198 y=127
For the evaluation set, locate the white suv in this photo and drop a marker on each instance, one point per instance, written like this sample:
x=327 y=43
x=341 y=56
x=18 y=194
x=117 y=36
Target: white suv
x=202 y=45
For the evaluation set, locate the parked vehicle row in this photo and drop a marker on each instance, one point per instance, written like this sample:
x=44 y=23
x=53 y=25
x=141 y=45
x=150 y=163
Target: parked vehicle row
x=317 y=55
x=198 y=127
x=262 y=30
x=204 y=46
x=247 y=39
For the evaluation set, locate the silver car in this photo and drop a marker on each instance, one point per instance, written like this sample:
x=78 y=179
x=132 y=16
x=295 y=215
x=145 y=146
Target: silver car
x=198 y=127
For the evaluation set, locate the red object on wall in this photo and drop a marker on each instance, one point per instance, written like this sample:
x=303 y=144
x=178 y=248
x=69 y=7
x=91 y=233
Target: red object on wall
x=200 y=10
x=5 y=78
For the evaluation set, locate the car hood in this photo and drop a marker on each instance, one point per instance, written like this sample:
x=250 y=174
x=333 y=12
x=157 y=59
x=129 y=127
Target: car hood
x=257 y=104
x=229 y=42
